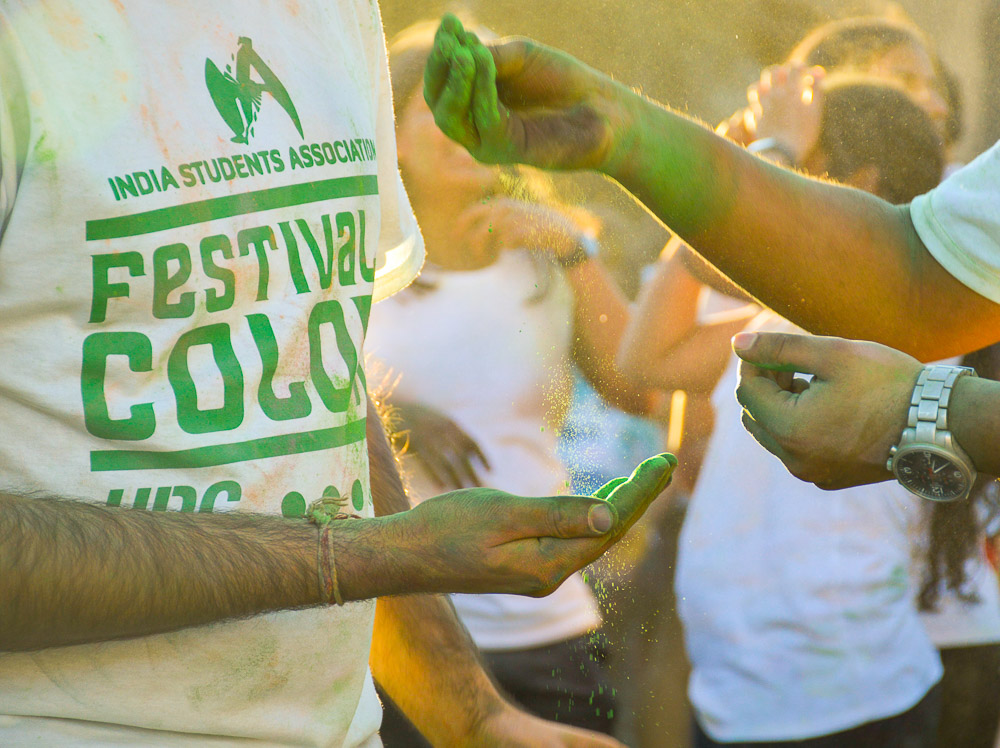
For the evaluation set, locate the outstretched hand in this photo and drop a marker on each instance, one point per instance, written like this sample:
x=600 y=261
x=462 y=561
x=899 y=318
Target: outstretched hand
x=837 y=429
x=483 y=540
x=516 y=101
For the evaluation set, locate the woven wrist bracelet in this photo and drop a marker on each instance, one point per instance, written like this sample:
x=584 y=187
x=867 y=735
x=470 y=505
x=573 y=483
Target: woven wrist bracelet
x=322 y=513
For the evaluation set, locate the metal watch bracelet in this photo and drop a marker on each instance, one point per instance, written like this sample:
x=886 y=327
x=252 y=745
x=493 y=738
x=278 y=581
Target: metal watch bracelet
x=927 y=420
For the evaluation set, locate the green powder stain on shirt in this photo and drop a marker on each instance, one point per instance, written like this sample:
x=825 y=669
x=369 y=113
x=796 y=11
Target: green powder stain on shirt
x=43 y=153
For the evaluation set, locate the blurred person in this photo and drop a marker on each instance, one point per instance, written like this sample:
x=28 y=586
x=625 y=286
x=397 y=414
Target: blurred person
x=201 y=391
x=878 y=46
x=481 y=346
x=517 y=101
x=795 y=637
x=964 y=627
x=959 y=599
x=673 y=300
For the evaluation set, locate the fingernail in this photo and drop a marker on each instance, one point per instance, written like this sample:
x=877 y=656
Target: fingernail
x=743 y=341
x=667 y=476
x=600 y=518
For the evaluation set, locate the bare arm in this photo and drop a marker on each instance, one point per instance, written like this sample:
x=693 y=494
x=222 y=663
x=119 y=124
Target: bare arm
x=665 y=346
x=831 y=259
x=975 y=421
x=74 y=572
x=600 y=316
x=420 y=648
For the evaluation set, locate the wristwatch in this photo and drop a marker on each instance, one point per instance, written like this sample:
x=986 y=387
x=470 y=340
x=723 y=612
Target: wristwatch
x=928 y=461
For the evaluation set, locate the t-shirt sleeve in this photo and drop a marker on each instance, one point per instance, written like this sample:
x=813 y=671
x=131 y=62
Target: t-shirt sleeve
x=400 y=251
x=959 y=223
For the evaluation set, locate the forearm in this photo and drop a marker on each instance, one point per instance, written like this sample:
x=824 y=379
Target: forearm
x=74 y=572
x=665 y=313
x=423 y=658
x=419 y=646
x=600 y=316
x=833 y=260
x=974 y=419
x=665 y=346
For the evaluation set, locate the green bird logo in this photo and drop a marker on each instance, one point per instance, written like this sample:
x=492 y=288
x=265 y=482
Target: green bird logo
x=238 y=97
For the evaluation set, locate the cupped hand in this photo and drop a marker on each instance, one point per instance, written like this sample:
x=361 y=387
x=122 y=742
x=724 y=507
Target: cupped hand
x=484 y=540
x=837 y=429
x=442 y=448
x=516 y=101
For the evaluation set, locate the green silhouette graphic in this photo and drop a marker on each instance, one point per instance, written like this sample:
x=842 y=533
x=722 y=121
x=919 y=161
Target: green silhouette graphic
x=238 y=98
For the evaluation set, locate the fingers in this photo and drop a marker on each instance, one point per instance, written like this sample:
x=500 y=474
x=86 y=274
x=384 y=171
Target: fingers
x=463 y=456
x=764 y=437
x=438 y=469
x=509 y=56
x=439 y=61
x=451 y=113
x=469 y=475
x=449 y=80
x=788 y=352
x=633 y=496
x=447 y=460
x=760 y=394
x=798 y=386
x=478 y=453
x=604 y=491
x=489 y=116
x=461 y=90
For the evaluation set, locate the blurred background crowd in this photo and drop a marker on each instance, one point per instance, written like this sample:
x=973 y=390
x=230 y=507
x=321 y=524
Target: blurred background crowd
x=558 y=334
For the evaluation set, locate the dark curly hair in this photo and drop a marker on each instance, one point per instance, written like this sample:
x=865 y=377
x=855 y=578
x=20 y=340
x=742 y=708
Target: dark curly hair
x=872 y=122
x=954 y=531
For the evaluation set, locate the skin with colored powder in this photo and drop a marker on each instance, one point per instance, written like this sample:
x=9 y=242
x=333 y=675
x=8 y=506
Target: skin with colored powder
x=532 y=104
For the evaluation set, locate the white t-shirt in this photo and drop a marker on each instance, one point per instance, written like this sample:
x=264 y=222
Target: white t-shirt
x=497 y=364
x=196 y=198
x=797 y=603
x=959 y=223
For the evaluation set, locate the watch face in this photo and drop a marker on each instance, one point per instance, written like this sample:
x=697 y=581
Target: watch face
x=931 y=474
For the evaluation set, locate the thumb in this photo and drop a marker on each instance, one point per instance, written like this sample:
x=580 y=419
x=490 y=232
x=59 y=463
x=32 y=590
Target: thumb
x=559 y=517
x=779 y=351
x=509 y=55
